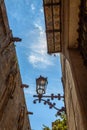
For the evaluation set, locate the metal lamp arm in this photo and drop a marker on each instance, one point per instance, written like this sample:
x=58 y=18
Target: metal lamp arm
x=51 y=105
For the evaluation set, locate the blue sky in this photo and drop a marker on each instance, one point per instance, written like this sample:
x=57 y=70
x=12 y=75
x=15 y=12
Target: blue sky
x=26 y=19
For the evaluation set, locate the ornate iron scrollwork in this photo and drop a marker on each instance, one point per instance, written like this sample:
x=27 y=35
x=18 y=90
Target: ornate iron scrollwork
x=49 y=103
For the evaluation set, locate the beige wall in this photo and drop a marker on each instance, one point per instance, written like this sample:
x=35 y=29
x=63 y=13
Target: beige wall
x=74 y=82
x=74 y=71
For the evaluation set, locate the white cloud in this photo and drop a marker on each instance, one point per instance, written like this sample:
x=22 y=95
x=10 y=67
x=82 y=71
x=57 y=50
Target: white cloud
x=39 y=61
x=38 y=56
x=32 y=7
x=41 y=10
x=38 y=27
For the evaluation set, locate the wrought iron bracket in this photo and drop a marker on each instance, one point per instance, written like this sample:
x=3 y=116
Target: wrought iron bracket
x=39 y=98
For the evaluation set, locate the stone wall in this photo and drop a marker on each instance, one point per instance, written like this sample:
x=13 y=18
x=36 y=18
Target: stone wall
x=75 y=90
x=13 y=110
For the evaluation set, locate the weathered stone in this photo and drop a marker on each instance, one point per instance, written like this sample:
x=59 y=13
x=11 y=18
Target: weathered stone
x=12 y=102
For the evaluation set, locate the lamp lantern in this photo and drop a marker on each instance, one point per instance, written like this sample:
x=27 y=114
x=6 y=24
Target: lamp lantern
x=41 y=84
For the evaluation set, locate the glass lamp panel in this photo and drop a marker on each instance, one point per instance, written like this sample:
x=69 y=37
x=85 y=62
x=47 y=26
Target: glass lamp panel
x=41 y=83
x=40 y=90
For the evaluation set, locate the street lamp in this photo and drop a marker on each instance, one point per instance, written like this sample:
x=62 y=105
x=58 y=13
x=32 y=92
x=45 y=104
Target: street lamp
x=41 y=84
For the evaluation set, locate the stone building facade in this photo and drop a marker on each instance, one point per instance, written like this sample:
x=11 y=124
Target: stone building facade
x=73 y=62
x=73 y=51
x=13 y=109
